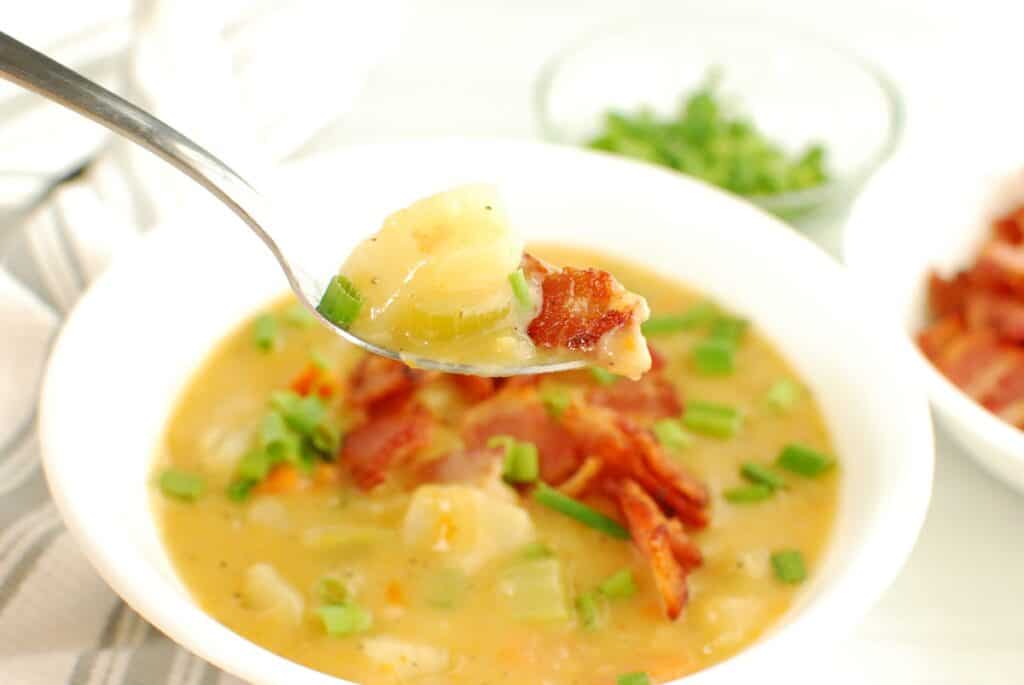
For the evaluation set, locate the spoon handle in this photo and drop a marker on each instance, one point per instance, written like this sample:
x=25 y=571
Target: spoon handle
x=35 y=71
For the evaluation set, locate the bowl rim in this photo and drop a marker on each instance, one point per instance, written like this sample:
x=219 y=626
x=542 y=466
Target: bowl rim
x=543 y=86
x=841 y=604
x=959 y=408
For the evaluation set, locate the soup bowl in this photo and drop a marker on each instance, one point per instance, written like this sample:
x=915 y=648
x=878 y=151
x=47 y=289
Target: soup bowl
x=914 y=220
x=143 y=329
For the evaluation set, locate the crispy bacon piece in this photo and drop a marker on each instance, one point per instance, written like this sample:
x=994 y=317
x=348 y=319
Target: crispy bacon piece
x=474 y=388
x=385 y=440
x=377 y=379
x=684 y=548
x=630 y=452
x=585 y=477
x=519 y=413
x=1002 y=314
x=652 y=397
x=577 y=310
x=658 y=360
x=650 y=531
x=946 y=297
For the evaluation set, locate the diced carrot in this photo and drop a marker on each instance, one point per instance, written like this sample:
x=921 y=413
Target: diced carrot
x=395 y=593
x=326 y=475
x=282 y=479
x=304 y=383
x=325 y=390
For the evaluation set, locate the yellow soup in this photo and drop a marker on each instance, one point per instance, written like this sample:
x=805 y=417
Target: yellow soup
x=460 y=583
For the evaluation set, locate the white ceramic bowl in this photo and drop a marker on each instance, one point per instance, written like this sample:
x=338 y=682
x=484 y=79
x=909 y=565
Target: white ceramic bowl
x=141 y=331
x=914 y=218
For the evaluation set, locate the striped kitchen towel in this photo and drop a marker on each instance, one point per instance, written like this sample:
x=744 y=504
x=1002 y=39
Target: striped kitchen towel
x=231 y=85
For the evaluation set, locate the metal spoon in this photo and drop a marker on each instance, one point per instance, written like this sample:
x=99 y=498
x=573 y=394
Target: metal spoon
x=37 y=72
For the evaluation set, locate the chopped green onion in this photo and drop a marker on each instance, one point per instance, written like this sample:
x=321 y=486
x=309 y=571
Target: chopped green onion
x=670 y=433
x=556 y=400
x=446 y=588
x=264 y=332
x=239 y=490
x=746 y=494
x=590 y=607
x=520 y=288
x=697 y=315
x=297 y=315
x=277 y=439
x=619 y=586
x=562 y=503
x=708 y=418
x=714 y=357
x=783 y=395
x=804 y=460
x=536 y=550
x=326 y=439
x=789 y=566
x=182 y=484
x=341 y=302
x=758 y=473
x=602 y=376
x=302 y=414
x=729 y=328
x=254 y=465
x=345 y=619
x=522 y=464
x=332 y=590
x=637 y=678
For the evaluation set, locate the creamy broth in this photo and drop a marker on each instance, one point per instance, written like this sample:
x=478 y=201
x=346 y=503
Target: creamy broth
x=472 y=636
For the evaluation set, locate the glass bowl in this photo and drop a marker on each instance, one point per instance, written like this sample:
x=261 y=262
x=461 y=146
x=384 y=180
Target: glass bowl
x=796 y=89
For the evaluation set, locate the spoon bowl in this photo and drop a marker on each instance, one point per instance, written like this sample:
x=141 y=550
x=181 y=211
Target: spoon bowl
x=35 y=71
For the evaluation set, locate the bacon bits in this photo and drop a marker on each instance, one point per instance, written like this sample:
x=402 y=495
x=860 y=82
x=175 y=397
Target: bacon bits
x=384 y=441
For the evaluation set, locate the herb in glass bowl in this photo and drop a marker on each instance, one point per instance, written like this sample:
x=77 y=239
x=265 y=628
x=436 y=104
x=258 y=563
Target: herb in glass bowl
x=708 y=141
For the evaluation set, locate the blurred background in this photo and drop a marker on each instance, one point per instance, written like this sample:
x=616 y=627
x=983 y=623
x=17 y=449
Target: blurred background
x=262 y=82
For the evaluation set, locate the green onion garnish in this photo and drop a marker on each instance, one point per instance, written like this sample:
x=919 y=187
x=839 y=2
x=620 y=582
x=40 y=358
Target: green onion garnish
x=556 y=400
x=670 y=433
x=590 y=608
x=319 y=360
x=804 y=460
x=254 y=465
x=182 y=485
x=332 y=590
x=603 y=376
x=277 y=439
x=264 y=332
x=746 y=494
x=564 y=504
x=297 y=315
x=326 y=439
x=783 y=395
x=789 y=566
x=697 y=315
x=520 y=288
x=708 y=418
x=345 y=619
x=729 y=328
x=637 y=678
x=239 y=490
x=341 y=302
x=302 y=414
x=522 y=464
x=714 y=357
x=758 y=473
x=619 y=585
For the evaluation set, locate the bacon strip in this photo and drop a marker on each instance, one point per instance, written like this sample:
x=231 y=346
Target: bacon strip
x=581 y=481
x=376 y=380
x=650 y=531
x=650 y=398
x=474 y=388
x=385 y=440
x=577 y=309
x=684 y=548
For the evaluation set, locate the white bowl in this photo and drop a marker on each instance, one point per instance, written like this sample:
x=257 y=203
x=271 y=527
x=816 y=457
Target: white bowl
x=141 y=331
x=914 y=218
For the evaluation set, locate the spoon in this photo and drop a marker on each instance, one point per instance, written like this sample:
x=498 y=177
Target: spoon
x=35 y=71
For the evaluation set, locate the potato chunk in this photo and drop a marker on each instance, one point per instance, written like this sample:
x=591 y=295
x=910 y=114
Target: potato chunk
x=466 y=525
x=264 y=590
x=405 y=660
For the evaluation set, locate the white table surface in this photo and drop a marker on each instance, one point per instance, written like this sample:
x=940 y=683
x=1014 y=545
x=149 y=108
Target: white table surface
x=466 y=67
